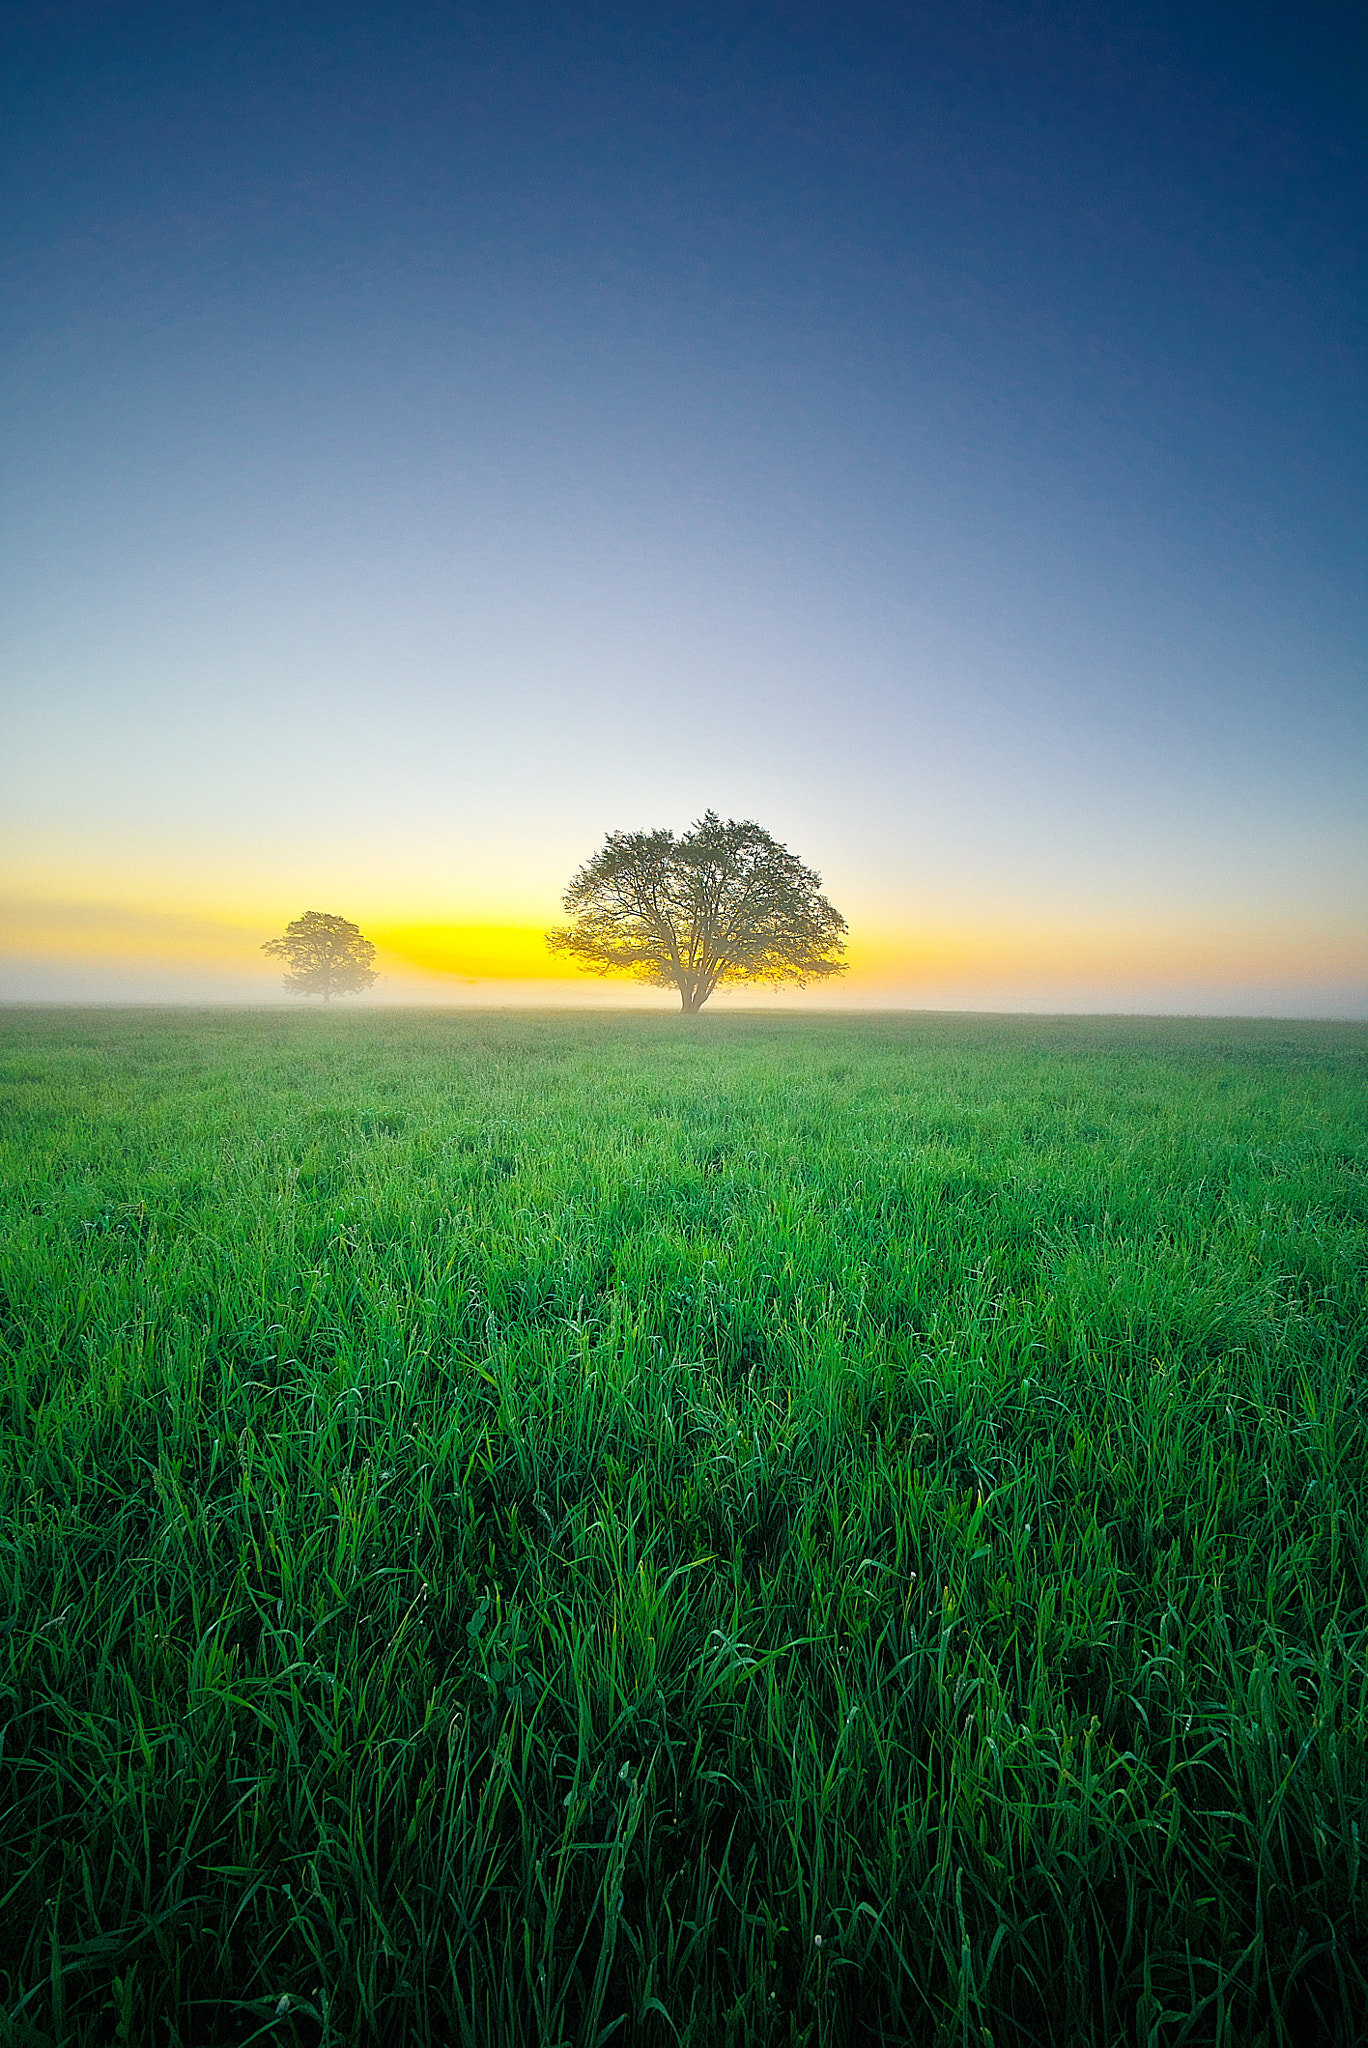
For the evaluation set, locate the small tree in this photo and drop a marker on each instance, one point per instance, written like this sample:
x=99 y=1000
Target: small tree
x=328 y=956
x=724 y=903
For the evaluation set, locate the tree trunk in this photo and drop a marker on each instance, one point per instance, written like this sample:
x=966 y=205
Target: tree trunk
x=691 y=1001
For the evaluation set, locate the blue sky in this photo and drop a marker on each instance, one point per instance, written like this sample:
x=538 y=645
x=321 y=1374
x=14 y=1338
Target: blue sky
x=437 y=435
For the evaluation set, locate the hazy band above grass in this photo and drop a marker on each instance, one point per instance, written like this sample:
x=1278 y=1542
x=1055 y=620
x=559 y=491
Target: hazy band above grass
x=760 y=1529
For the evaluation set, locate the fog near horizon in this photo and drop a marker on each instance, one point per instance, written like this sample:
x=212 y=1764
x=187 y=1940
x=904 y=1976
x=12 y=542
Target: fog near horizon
x=70 y=985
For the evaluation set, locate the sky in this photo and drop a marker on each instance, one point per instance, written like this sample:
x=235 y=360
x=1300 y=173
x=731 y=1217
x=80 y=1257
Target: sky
x=435 y=436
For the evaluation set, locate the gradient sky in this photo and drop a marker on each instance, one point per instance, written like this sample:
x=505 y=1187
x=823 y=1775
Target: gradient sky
x=435 y=435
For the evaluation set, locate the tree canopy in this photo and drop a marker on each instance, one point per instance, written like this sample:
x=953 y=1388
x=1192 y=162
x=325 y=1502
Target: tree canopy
x=722 y=903
x=327 y=956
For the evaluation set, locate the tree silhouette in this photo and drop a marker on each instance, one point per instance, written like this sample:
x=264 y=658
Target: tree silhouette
x=328 y=956
x=722 y=903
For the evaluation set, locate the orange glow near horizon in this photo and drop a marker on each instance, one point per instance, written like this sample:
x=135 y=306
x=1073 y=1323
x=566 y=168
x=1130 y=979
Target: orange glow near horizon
x=438 y=960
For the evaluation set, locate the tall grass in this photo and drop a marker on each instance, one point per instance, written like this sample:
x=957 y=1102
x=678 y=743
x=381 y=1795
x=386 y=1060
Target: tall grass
x=782 y=1530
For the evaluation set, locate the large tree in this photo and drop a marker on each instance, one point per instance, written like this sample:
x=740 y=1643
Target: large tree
x=327 y=956
x=722 y=903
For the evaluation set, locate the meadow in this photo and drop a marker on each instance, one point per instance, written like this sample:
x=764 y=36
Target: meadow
x=743 y=1529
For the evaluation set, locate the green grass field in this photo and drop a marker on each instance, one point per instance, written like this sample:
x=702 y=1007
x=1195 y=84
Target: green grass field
x=749 y=1529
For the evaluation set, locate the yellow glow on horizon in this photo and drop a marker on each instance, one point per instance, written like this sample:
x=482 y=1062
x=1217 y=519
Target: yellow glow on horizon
x=475 y=952
x=962 y=953
x=913 y=964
